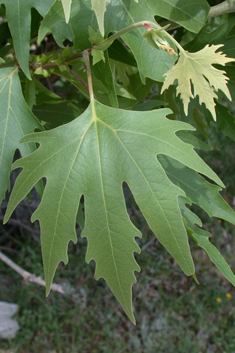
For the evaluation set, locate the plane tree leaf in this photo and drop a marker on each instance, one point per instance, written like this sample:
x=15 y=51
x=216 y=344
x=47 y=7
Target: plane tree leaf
x=196 y=68
x=201 y=238
x=16 y=120
x=18 y=15
x=92 y=156
x=198 y=190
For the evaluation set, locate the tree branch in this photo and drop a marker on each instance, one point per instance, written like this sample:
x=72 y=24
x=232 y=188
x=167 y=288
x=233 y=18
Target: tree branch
x=28 y=276
x=79 y=78
x=225 y=7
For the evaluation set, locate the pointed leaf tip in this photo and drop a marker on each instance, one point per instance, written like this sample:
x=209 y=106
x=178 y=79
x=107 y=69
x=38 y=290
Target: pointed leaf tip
x=67 y=9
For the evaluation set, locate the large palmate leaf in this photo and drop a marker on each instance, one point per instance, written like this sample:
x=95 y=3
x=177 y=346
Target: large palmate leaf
x=92 y=156
x=196 y=68
x=19 y=20
x=16 y=120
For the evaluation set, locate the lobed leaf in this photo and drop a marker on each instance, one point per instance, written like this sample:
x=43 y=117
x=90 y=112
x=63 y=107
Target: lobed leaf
x=196 y=68
x=92 y=156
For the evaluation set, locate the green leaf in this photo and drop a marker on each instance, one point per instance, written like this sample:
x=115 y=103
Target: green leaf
x=137 y=88
x=19 y=19
x=54 y=21
x=152 y=63
x=57 y=114
x=16 y=120
x=222 y=34
x=67 y=8
x=103 y=72
x=118 y=52
x=149 y=105
x=62 y=31
x=230 y=72
x=225 y=121
x=97 y=55
x=196 y=68
x=30 y=93
x=198 y=190
x=92 y=156
x=80 y=20
x=44 y=95
x=214 y=255
x=192 y=14
x=201 y=238
x=187 y=137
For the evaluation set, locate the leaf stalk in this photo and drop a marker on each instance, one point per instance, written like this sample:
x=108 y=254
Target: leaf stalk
x=89 y=79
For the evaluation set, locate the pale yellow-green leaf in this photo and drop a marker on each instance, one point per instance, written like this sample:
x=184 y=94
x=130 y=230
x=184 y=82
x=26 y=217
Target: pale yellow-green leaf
x=99 y=6
x=67 y=8
x=196 y=68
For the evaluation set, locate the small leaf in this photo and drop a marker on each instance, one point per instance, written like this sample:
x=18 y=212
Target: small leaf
x=97 y=55
x=30 y=93
x=95 y=36
x=196 y=68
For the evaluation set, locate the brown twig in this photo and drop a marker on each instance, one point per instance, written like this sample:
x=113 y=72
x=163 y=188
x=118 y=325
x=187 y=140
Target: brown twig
x=79 y=79
x=28 y=276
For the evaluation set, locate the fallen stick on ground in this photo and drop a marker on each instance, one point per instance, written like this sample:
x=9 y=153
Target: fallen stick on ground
x=28 y=276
